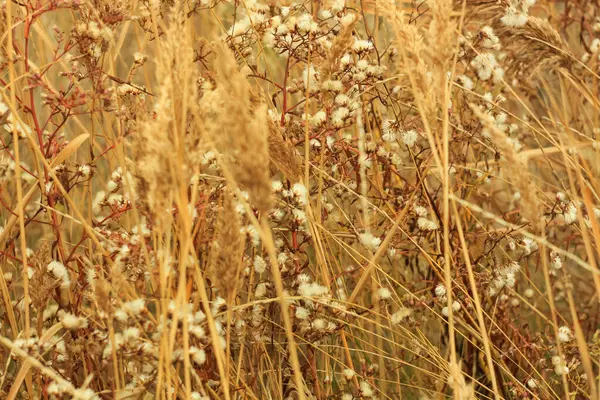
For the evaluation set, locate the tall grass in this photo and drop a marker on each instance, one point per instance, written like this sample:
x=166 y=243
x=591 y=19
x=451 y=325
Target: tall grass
x=212 y=199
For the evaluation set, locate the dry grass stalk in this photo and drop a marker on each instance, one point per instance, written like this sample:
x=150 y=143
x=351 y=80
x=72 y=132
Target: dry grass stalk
x=283 y=154
x=237 y=122
x=516 y=170
x=227 y=249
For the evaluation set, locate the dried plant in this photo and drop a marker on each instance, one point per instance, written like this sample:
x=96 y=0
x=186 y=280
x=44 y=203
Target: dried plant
x=224 y=199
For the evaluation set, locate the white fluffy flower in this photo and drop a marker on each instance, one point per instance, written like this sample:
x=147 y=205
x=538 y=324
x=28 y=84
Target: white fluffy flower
x=362 y=45
x=333 y=86
x=514 y=18
x=71 y=321
x=300 y=192
x=564 y=334
x=260 y=265
x=312 y=290
x=409 y=138
x=466 y=82
x=60 y=272
x=484 y=65
x=400 y=315
x=134 y=307
x=366 y=389
x=384 y=293
x=261 y=290
x=420 y=211
x=455 y=306
x=560 y=367
x=319 y=324
x=84 y=170
x=440 y=290
x=302 y=313
x=198 y=355
x=426 y=224
x=570 y=213
x=555 y=261
x=490 y=40
x=348 y=374
x=339 y=116
x=369 y=241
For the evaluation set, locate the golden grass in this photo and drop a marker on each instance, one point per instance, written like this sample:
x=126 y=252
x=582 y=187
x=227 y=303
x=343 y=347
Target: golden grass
x=219 y=199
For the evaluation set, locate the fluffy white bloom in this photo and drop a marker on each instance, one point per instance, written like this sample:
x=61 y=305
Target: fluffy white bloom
x=510 y=280
x=362 y=45
x=466 y=82
x=346 y=60
x=112 y=186
x=260 y=265
x=484 y=65
x=389 y=130
x=440 y=290
x=560 y=367
x=409 y=138
x=131 y=333
x=319 y=118
x=84 y=170
x=400 y=315
x=338 y=6
x=302 y=313
x=299 y=216
x=384 y=293
x=282 y=258
x=261 y=290
x=339 y=115
x=300 y=192
x=347 y=19
x=564 y=334
x=71 y=321
x=514 y=18
x=319 y=324
x=366 y=389
x=333 y=86
x=490 y=40
x=570 y=213
x=529 y=245
x=60 y=272
x=555 y=261
x=420 y=211
x=369 y=241
x=312 y=290
x=426 y=224
x=306 y=24
x=85 y=394
x=198 y=355
x=50 y=312
x=277 y=186
x=455 y=306
x=135 y=307
x=348 y=374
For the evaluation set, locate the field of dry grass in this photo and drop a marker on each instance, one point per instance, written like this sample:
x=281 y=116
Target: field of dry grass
x=246 y=199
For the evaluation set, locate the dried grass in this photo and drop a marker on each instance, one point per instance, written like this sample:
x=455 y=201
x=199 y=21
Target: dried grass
x=344 y=200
